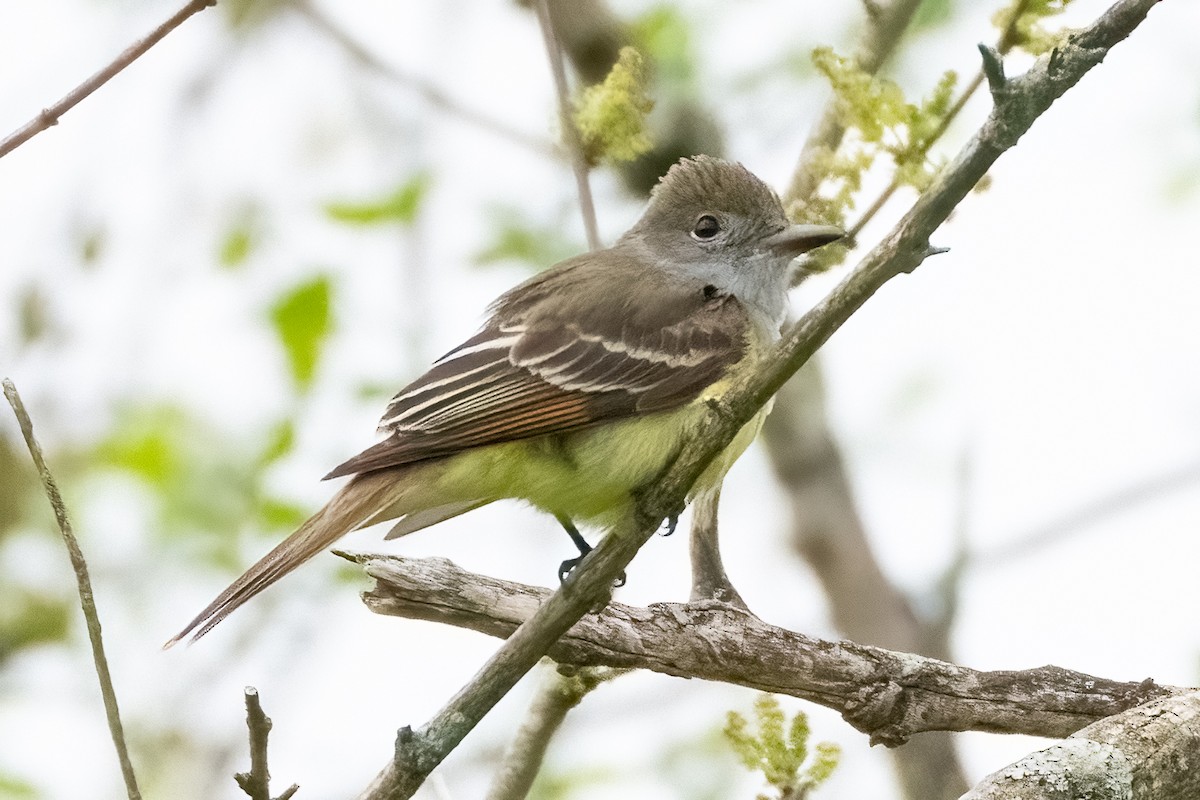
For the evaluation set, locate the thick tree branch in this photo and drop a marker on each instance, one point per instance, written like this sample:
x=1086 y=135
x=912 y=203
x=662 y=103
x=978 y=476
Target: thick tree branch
x=1026 y=97
x=83 y=580
x=887 y=695
x=48 y=117
x=1151 y=752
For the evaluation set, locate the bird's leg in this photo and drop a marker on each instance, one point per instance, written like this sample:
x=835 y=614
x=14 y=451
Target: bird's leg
x=565 y=568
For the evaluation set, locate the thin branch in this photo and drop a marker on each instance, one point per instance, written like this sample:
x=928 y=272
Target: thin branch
x=561 y=689
x=570 y=133
x=257 y=782
x=1071 y=523
x=48 y=117
x=890 y=696
x=87 y=600
x=436 y=97
x=588 y=587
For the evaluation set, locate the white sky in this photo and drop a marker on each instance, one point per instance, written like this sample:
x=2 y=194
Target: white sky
x=1057 y=342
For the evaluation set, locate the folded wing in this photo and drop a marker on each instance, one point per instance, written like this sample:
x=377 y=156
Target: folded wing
x=544 y=364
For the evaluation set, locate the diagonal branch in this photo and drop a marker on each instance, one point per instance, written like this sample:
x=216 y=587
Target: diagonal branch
x=902 y=250
x=87 y=599
x=887 y=695
x=48 y=117
x=432 y=94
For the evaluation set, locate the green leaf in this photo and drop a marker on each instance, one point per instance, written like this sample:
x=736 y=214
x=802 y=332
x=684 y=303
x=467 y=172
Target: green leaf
x=400 y=205
x=281 y=439
x=276 y=513
x=28 y=619
x=302 y=320
x=147 y=443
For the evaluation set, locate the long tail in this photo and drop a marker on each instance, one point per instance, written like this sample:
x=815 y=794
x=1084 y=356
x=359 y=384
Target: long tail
x=357 y=501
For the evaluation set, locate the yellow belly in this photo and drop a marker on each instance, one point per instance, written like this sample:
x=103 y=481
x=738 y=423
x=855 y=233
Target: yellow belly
x=587 y=476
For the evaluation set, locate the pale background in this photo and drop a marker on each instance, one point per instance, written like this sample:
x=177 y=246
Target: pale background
x=1056 y=344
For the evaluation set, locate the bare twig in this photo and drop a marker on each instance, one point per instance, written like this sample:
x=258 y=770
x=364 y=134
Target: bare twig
x=890 y=696
x=48 y=117
x=561 y=689
x=432 y=94
x=570 y=133
x=87 y=600
x=419 y=752
x=257 y=782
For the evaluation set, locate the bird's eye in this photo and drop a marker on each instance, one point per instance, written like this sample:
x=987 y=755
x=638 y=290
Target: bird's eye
x=706 y=228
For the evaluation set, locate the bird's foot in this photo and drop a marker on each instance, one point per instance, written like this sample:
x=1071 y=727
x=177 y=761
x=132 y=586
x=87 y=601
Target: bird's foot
x=672 y=521
x=568 y=566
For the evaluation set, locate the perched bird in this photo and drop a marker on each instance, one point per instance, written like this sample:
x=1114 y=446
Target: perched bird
x=583 y=382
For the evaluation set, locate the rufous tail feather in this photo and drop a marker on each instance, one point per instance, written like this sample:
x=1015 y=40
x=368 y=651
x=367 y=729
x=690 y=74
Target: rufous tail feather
x=362 y=497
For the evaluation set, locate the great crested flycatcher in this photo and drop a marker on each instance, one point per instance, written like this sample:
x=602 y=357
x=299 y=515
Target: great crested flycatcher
x=583 y=381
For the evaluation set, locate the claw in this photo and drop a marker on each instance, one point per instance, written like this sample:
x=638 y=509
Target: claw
x=566 y=567
x=672 y=521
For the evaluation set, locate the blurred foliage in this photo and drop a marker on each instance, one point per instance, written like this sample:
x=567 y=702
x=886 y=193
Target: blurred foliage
x=33 y=313
x=514 y=238
x=400 y=205
x=92 y=241
x=302 y=319
x=932 y=14
x=15 y=789
x=202 y=480
x=20 y=482
x=662 y=33
x=700 y=767
x=242 y=235
x=550 y=785
x=611 y=115
x=1022 y=20
x=782 y=756
x=29 y=618
x=248 y=15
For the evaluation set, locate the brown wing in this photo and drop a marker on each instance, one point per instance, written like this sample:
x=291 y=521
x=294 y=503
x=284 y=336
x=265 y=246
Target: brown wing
x=548 y=362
